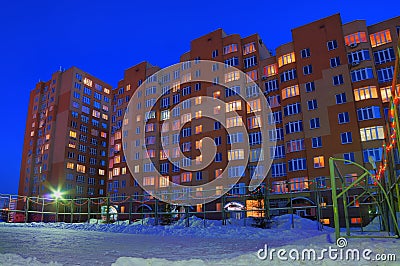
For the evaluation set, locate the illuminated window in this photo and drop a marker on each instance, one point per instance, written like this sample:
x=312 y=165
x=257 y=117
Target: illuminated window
x=117 y=159
x=252 y=75
x=286 y=59
x=372 y=133
x=186 y=77
x=365 y=93
x=197 y=100
x=299 y=183
x=96 y=113
x=87 y=82
x=218 y=173
x=186 y=118
x=123 y=170
x=165 y=115
x=237 y=154
x=101 y=172
x=199 y=144
x=164 y=181
x=290 y=92
x=199 y=159
x=148 y=181
x=232 y=76
x=249 y=48
x=253 y=122
x=80 y=168
x=356 y=220
x=103 y=134
x=198 y=129
x=253 y=106
x=117 y=147
x=164 y=154
x=197 y=115
x=217 y=110
x=216 y=94
x=380 y=38
x=386 y=93
x=270 y=70
x=116 y=171
x=72 y=134
x=104 y=116
x=319 y=162
x=70 y=165
x=234 y=121
x=234 y=106
x=186 y=177
x=325 y=221
x=355 y=38
x=230 y=48
x=117 y=135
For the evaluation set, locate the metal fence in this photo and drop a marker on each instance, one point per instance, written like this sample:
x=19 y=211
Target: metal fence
x=254 y=208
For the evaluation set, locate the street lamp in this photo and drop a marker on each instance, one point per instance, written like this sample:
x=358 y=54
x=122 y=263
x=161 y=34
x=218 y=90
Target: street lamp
x=57 y=195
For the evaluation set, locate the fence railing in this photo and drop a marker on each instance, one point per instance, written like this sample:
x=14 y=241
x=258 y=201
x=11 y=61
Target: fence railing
x=250 y=209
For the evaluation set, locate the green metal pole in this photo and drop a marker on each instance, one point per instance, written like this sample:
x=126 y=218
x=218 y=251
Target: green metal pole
x=334 y=198
x=72 y=210
x=156 y=212
x=130 y=209
x=187 y=215
x=398 y=195
x=88 y=210
x=41 y=217
x=108 y=211
x=56 y=210
x=346 y=213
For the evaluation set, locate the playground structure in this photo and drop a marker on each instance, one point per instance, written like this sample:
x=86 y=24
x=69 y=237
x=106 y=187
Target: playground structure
x=379 y=186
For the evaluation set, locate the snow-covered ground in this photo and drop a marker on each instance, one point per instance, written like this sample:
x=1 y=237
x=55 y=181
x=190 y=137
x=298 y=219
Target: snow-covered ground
x=137 y=244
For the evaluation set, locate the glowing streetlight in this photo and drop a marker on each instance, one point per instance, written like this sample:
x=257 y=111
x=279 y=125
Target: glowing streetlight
x=57 y=194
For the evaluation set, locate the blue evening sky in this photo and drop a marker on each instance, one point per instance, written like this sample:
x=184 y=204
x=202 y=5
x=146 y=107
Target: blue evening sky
x=105 y=37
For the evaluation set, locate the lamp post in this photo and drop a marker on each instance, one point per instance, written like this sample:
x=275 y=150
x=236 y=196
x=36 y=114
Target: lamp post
x=57 y=195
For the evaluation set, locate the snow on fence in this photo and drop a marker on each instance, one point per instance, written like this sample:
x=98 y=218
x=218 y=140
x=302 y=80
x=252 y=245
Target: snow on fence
x=248 y=210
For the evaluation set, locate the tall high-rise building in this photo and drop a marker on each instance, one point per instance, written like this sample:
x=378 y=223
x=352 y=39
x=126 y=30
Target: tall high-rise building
x=67 y=136
x=328 y=90
x=121 y=182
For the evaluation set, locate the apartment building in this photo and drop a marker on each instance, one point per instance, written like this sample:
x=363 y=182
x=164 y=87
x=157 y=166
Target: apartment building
x=67 y=136
x=328 y=90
